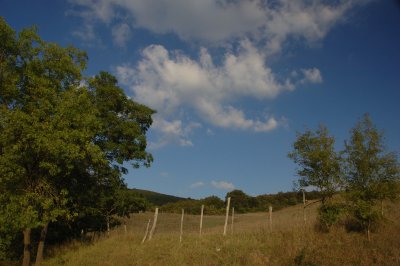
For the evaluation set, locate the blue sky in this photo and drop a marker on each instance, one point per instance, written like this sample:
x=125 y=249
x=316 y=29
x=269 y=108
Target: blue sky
x=232 y=81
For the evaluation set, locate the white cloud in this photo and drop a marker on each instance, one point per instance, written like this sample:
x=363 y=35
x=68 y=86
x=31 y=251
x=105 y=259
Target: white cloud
x=220 y=21
x=312 y=75
x=121 y=34
x=248 y=32
x=169 y=81
x=172 y=132
x=222 y=185
x=197 y=184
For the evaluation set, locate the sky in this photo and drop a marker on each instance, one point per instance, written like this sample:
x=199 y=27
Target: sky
x=233 y=81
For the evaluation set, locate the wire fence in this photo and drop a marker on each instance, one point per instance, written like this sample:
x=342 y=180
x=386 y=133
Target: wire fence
x=292 y=218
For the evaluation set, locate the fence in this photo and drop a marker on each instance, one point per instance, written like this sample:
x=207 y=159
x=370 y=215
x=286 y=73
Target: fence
x=180 y=225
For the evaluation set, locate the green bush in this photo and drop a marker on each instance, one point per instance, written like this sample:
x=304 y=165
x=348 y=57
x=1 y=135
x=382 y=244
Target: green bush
x=330 y=214
x=364 y=216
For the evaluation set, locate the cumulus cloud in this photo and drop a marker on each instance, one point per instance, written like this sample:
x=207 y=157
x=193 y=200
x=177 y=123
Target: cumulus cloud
x=167 y=81
x=248 y=32
x=222 y=185
x=197 y=184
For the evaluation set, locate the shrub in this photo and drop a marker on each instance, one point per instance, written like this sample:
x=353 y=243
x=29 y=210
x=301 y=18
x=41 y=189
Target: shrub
x=330 y=214
x=364 y=216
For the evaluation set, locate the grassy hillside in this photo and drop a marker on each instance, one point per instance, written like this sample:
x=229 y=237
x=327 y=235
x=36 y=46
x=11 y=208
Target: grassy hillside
x=156 y=198
x=251 y=242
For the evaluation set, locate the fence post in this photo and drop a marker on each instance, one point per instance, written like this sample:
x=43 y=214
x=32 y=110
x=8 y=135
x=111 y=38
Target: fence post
x=270 y=218
x=233 y=216
x=304 y=208
x=201 y=218
x=147 y=231
x=180 y=237
x=227 y=214
x=153 y=228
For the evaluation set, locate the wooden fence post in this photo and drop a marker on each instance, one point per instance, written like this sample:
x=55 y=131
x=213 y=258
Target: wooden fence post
x=153 y=228
x=147 y=231
x=180 y=237
x=270 y=218
x=227 y=214
x=201 y=218
x=233 y=217
x=304 y=208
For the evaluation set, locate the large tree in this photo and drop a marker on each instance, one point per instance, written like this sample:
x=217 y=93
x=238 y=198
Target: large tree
x=319 y=163
x=372 y=173
x=60 y=138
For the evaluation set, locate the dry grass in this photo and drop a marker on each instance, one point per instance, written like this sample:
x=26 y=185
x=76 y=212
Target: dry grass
x=252 y=243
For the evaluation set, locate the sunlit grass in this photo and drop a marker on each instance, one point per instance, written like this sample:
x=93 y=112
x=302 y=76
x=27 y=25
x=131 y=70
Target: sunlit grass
x=252 y=243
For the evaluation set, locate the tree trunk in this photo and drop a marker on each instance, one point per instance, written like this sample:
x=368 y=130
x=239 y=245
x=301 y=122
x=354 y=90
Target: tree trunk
x=382 y=207
x=108 y=225
x=39 y=255
x=27 y=247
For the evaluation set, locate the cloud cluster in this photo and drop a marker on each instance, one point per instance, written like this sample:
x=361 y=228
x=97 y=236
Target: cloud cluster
x=218 y=21
x=248 y=31
x=169 y=81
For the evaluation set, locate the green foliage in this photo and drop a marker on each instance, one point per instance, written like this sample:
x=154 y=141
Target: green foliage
x=212 y=206
x=241 y=201
x=372 y=173
x=319 y=163
x=331 y=214
x=363 y=216
x=123 y=123
x=191 y=207
x=155 y=198
x=62 y=142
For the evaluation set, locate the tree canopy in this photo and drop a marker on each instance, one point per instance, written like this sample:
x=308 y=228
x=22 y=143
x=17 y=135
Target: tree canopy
x=62 y=136
x=372 y=173
x=319 y=163
x=364 y=171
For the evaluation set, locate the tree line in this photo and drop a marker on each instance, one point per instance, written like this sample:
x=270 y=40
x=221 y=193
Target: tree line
x=242 y=202
x=362 y=175
x=64 y=139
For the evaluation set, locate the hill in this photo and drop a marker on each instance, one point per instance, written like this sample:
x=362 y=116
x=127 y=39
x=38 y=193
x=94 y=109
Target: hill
x=288 y=240
x=156 y=198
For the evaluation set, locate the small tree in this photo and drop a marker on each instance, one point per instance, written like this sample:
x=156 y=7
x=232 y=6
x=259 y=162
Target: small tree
x=372 y=174
x=319 y=163
x=320 y=166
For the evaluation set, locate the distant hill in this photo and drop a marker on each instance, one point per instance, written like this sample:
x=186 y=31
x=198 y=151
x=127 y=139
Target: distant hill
x=156 y=198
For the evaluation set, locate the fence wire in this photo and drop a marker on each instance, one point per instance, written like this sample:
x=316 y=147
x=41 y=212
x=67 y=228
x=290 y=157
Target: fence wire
x=170 y=223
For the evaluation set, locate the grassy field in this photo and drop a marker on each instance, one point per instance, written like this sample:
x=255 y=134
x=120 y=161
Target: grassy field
x=251 y=243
